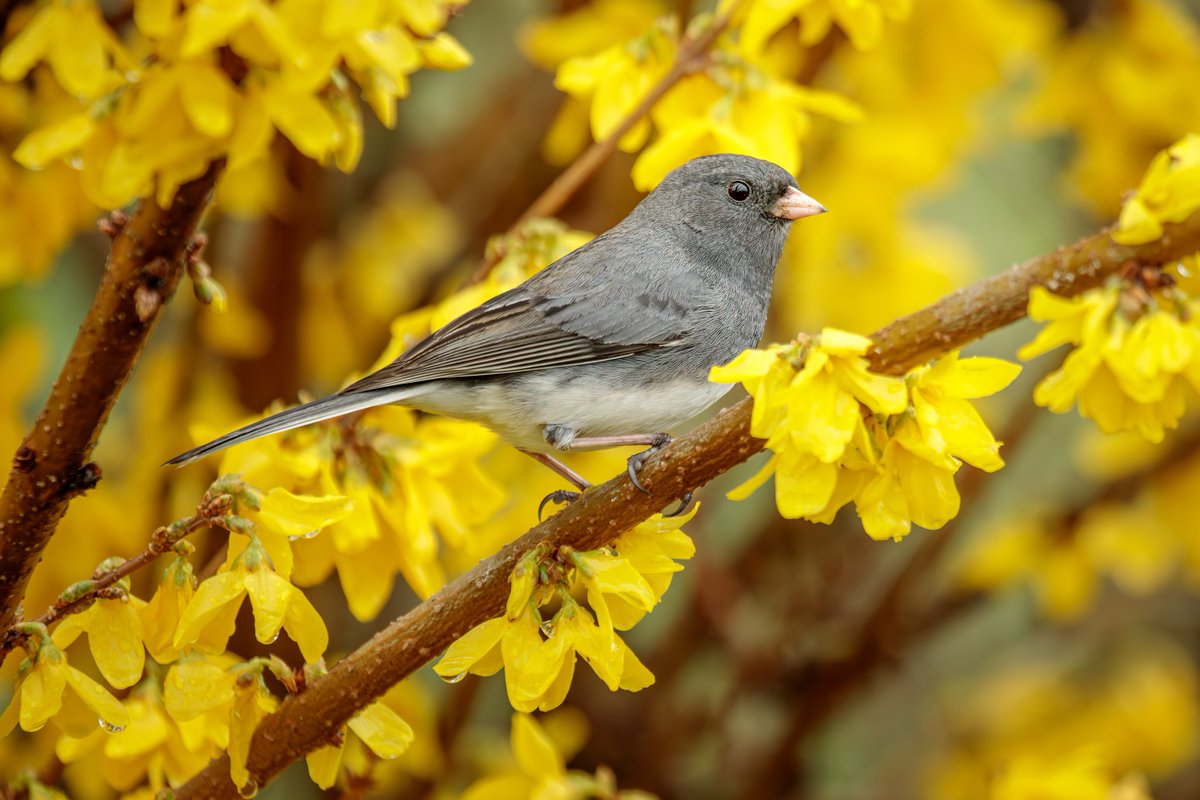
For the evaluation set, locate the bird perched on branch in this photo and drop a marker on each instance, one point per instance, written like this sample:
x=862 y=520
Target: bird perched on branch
x=610 y=345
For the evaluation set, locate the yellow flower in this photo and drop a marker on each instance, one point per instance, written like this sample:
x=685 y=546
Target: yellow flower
x=1169 y=192
x=251 y=702
x=75 y=41
x=621 y=584
x=284 y=518
x=1078 y=776
x=379 y=727
x=150 y=750
x=540 y=769
x=276 y=603
x=587 y=30
x=862 y=20
x=841 y=433
x=160 y=617
x=615 y=80
x=1139 y=44
x=1125 y=375
x=50 y=688
x=734 y=107
x=114 y=629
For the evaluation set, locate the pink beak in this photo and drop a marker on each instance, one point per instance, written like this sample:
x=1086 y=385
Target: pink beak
x=795 y=204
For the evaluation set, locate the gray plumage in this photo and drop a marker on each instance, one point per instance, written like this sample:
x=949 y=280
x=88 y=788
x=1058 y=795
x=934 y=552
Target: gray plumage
x=616 y=337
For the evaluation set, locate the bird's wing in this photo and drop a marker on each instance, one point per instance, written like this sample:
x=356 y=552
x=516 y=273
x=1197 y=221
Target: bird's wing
x=536 y=326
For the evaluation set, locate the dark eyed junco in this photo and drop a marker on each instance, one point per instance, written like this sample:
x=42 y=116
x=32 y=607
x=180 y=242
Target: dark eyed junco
x=610 y=345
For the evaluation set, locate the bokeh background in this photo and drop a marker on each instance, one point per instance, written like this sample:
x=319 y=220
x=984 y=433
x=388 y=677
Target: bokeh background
x=1044 y=644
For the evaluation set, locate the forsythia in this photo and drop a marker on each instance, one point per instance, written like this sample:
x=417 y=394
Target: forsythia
x=620 y=583
x=840 y=433
x=214 y=78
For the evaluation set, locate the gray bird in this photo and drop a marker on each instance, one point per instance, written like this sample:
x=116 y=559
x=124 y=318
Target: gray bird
x=610 y=345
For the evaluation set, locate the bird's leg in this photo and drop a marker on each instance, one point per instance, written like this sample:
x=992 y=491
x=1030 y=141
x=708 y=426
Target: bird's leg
x=558 y=495
x=657 y=441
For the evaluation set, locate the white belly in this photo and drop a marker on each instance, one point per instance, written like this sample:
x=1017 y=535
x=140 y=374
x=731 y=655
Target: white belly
x=520 y=409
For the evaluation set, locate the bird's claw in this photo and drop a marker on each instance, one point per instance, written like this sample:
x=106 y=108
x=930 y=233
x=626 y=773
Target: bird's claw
x=686 y=504
x=637 y=460
x=557 y=496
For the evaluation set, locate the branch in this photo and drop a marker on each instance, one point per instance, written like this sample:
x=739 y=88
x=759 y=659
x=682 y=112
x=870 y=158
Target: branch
x=51 y=466
x=305 y=721
x=691 y=57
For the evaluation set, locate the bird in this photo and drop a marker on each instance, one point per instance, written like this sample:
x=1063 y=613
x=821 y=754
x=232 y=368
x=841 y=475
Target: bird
x=608 y=346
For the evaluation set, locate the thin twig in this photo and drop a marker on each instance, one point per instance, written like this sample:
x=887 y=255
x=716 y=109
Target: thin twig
x=210 y=512
x=304 y=721
x=692 y=55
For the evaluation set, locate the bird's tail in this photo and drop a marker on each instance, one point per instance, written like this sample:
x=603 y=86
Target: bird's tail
x=335 y=405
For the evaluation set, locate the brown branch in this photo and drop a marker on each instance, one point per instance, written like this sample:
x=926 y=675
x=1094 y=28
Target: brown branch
x=692 y=55
x=1000 y=300
x=305 y=721
x=144 y=265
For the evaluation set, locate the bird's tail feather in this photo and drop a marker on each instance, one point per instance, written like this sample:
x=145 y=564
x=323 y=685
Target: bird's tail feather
x=335 y=405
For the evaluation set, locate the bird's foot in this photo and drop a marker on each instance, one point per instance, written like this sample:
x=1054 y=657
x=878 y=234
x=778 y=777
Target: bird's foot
x=686 y=504
x=637 y=460
x=562 y=496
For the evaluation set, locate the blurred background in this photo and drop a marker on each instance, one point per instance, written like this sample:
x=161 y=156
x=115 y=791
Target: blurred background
x=1045 y=644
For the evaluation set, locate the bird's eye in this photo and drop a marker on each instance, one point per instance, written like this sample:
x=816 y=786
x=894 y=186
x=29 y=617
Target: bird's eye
x=739 y=190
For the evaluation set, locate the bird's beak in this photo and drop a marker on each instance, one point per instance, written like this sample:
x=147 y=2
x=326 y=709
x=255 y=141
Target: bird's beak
x=795 y=204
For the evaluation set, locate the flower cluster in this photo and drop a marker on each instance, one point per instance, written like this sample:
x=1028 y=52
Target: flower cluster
x=840 y=433
x=862 y=21
x=744 y=100
x=1137 y=347
x=545 y=624
x=1169 y=192
x=208 y=700
x=538 y=767
x=215 y=79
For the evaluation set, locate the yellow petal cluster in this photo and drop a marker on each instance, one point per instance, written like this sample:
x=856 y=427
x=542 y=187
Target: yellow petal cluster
x=621 y=583
x=538 y=768
x=737 y=105
x=862 y=20
x=218 y=78
x=49 y=688
x=1135 y=352
x=208 y=621
x=840 y=433
x=1169 y=192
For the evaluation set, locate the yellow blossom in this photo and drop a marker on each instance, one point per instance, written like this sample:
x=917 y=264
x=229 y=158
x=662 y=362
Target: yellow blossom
x=840 y=433
x=114 y=629
x=75 y=41
x=615 y=80
x=160 y=617
x=276 y=603
x=764 y=116
x=1125 y=375
x=50 y=688
x=378 y=726
x=251 y=702
x=621 y=584
x=862 y=20
x=1169 y=192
